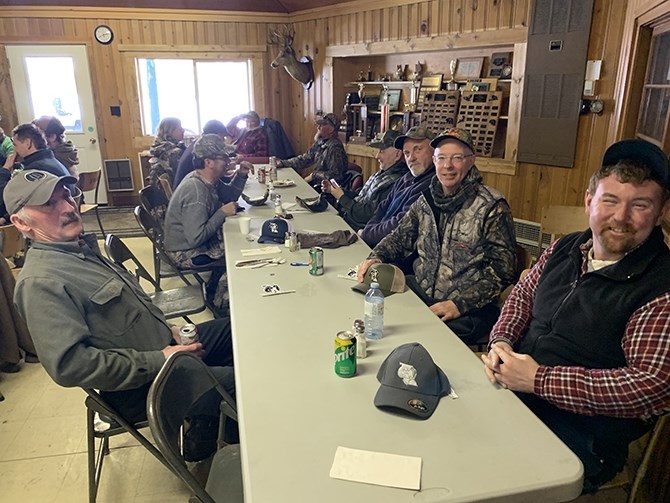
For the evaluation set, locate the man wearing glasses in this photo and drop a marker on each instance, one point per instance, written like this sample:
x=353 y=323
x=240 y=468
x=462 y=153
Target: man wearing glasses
x=461 y=234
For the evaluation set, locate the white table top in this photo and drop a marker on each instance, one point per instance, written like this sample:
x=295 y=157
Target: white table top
x=295 y=411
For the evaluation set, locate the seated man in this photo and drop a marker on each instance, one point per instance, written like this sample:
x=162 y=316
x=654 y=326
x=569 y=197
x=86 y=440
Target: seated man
x=326 y=155
x=252 y=141
x=461 y=235
x=415 y=146
x=195 y=214
x=64 y=150
x=583 y=339
x=186 y=161
x=357 y=209
x=31 y=145
x=92 y=324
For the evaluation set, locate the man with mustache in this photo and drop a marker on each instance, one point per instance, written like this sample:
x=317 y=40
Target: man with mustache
x=584 y=338
x=92 y=324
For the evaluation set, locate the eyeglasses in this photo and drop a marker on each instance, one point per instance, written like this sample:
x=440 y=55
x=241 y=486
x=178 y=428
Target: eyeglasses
x=456 y=159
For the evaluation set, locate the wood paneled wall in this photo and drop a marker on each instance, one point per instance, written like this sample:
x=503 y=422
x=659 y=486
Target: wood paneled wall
x=360 y=22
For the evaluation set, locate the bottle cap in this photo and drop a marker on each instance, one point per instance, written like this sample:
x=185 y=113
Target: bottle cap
x=374 y=285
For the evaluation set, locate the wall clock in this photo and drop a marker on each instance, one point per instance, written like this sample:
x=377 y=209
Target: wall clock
x=104 y=34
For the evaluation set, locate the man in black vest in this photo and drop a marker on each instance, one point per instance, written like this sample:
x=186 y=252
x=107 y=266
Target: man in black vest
x=584 y=338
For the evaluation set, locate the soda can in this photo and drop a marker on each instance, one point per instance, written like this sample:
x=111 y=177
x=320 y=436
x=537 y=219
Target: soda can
x=345 y=354
x=261 y=174
x=316 y=261
x=188 y=334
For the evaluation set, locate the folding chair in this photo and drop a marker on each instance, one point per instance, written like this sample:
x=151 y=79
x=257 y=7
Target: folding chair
x=90 y=180
x=11 y=241
x=95 y=403
x=558 y=221
x=175 y=302
x=154 y=232
x=183 y=380
x=156 y=202
x=164 y=181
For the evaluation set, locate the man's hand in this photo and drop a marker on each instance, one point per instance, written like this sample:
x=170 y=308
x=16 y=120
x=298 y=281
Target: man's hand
x=511 y=370
x=446 y=310
x=308 y=178
x=360 y=233
x=245 y=168
x=9 y=162
x=363 y=266
x=229 y=209
x=175 y=333
x=329 y=188
x=279 y=163
x=195 y=348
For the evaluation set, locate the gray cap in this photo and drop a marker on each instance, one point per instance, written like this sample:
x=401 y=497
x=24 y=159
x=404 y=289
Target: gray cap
x=32 y=188
x=209 y=146
x=415 y=133
x=387 y=140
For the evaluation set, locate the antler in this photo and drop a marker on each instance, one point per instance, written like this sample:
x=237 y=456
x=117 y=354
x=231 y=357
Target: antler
x=274 y=37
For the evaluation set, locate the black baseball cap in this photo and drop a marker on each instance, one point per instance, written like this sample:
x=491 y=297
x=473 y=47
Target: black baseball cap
x=644 y=152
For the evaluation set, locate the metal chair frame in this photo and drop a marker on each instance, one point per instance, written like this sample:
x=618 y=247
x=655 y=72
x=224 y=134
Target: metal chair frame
x=90 y=180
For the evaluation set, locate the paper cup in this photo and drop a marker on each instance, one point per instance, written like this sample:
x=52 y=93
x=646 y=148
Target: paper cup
x=245 y=224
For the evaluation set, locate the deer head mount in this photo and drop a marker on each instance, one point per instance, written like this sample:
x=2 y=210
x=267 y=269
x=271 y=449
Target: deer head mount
x=302 y=70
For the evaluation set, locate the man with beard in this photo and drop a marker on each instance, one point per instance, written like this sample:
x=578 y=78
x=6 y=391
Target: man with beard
x=92 y=324
x=459 y=235
x=584 y=338
x=252 y=141
x=327 y=155
x=416 y=147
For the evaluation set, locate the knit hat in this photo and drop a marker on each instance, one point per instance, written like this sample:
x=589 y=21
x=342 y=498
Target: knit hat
x=643 y=151
x=455 y=133
x=411 y=382
x=32 y=188
x=415 y=133
x=274 y=231
x=209 y=146
x=330 y=119
x=215 y=127
x=390 y=278
x=386 y=141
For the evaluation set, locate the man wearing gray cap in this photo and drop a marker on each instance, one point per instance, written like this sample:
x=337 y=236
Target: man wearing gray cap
x=357 y=209
x=584 y=338
x=415 y=146
x=327 y=155
x=195 y=214
x=92 y=324
x=459 y=235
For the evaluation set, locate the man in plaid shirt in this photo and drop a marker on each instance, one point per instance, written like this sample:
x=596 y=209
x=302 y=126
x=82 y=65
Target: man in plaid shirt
x=584 y=338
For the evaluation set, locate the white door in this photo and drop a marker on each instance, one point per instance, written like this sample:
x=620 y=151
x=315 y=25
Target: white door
x=55 y=80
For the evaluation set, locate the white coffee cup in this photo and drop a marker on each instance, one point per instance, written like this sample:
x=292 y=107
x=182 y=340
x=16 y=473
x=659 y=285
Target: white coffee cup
x=245 y=224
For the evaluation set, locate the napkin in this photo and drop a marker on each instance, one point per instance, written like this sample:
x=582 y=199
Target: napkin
x=265 y=250
x=379 y=468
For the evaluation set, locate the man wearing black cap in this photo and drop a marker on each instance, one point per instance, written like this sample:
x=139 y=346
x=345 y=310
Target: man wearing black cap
x=92 y=324
x=327 y=155
x=415 y=146
x=357 y=209
x=584 y=338
x=186 y=161
x=460 y=235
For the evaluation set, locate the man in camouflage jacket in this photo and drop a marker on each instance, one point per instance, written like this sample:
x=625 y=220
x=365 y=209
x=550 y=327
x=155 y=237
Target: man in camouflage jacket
x=460 y=235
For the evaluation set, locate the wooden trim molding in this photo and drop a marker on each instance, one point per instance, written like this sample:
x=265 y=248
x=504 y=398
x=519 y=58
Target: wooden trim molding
x=180 y=49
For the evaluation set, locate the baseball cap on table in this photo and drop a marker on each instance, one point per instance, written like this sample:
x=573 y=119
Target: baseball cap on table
x=314 y=204
x=415 y=133
x=455 y=133
x=411 y=382
x=386 y=141
x=642 y=151
x=32 y=188
x=274 y=231
x=331 y=119
x=389 y=277
x=210 y=146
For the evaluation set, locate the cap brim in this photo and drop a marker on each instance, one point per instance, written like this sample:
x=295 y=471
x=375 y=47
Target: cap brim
x=398 y=400
x=270 y=240
x=400 y=141
x=364 y=287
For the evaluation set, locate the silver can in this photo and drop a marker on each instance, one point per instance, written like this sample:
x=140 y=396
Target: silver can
x=188 y=334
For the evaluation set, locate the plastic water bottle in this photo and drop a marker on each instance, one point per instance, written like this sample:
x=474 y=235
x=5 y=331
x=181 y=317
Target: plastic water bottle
x=374 y=313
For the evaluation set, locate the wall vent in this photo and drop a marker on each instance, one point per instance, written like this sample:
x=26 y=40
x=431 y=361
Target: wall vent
x=118 y=175
x=528 y=234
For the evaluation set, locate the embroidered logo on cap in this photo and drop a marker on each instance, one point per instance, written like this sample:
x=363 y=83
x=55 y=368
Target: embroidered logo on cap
x=418 y=405
x=274 y=228
x=374 y=276
x=408 y=374
x=34 y=175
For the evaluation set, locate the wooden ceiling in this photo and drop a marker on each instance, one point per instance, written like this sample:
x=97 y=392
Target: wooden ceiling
x=281 y=6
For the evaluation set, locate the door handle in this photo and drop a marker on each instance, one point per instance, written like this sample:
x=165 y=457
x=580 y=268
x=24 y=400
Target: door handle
x=93 y=141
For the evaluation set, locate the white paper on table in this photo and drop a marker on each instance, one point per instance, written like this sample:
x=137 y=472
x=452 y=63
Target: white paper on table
x=265 y=250
x=377 y=468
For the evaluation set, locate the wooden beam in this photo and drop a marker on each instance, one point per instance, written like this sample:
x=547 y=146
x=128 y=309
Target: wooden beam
x=481 y=39
x=237 y=49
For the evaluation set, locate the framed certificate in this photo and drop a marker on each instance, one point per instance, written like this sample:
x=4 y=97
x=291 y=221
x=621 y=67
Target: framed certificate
x=469 y=68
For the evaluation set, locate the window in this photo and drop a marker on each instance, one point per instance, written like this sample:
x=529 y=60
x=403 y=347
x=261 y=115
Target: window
x=195 y=91
x=53 y=90
x=654 y=108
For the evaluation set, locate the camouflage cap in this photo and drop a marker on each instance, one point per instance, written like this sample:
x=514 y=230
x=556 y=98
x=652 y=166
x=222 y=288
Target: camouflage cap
x=387 y=140
x=209 y=146
x=415 y=133
x=330 y=119
x=455 y=133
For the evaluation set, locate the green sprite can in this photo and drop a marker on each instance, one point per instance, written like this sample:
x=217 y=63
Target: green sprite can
x=316 y=261
x=345 y=354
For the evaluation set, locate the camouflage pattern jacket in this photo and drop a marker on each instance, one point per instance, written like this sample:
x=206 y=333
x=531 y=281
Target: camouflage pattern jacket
x=328 y=158
x=464 y=243
x=165 y=159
